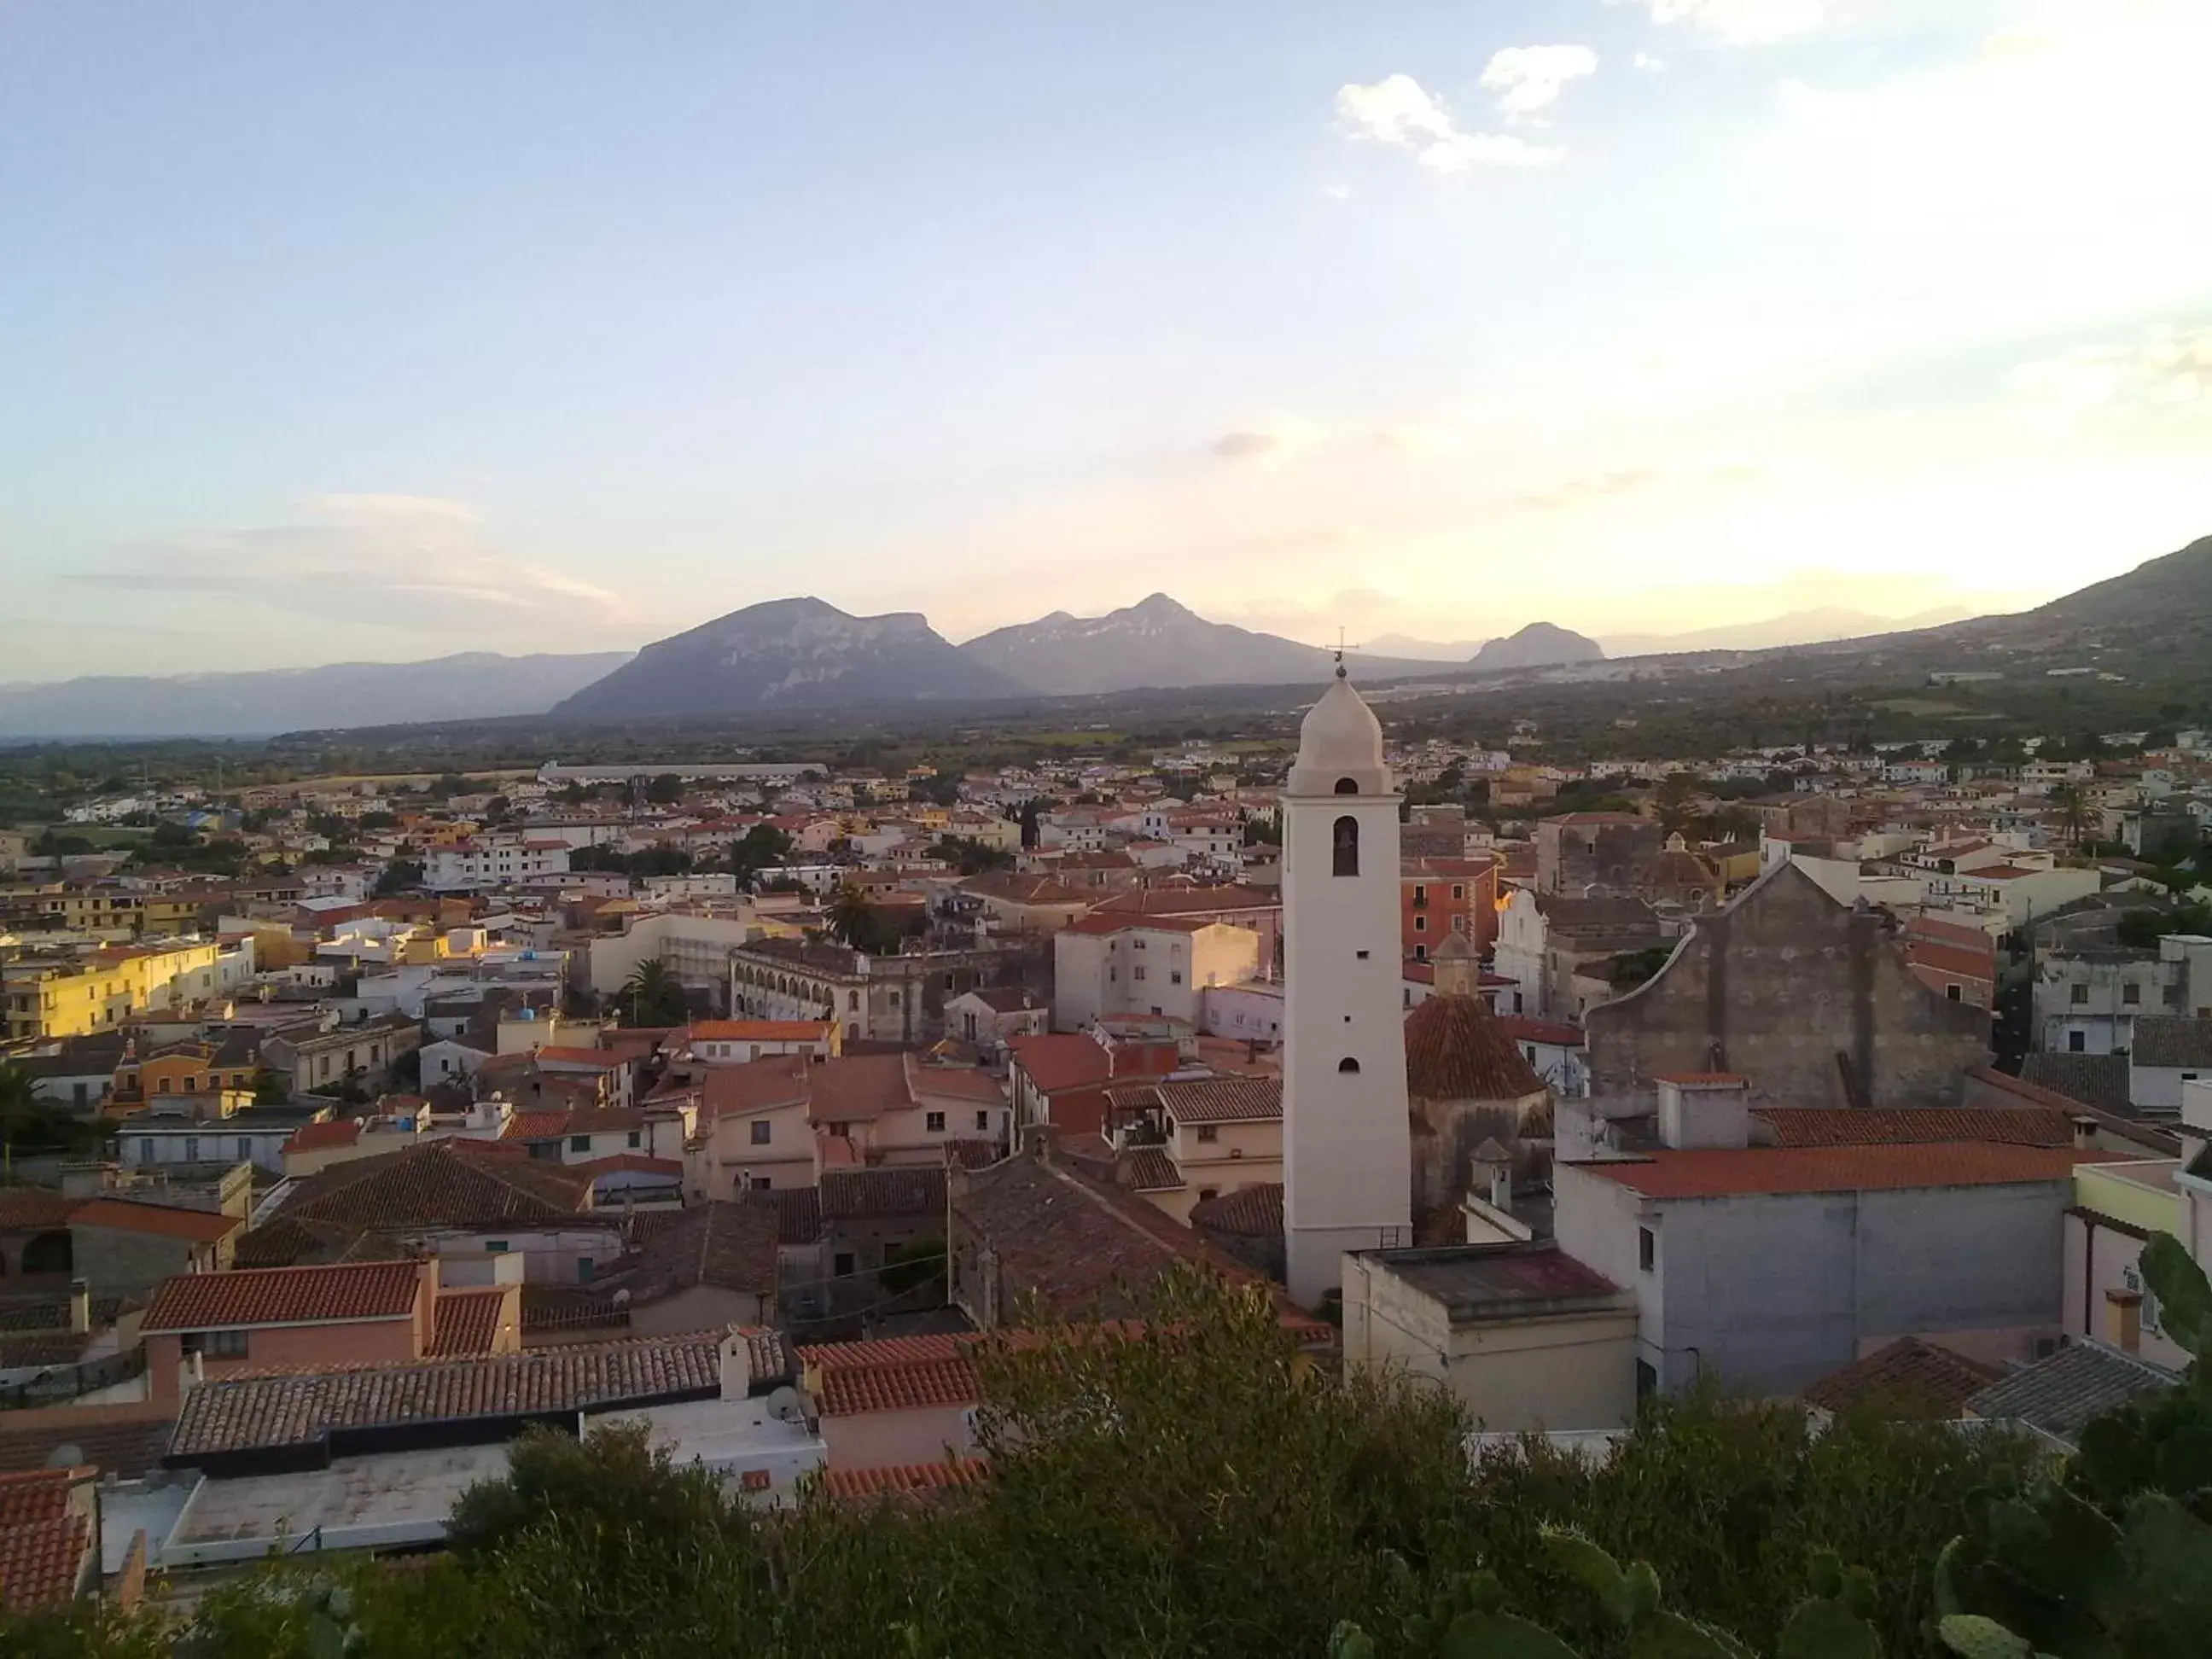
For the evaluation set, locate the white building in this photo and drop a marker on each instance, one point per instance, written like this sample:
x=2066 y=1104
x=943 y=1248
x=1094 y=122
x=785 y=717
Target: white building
x=1346 y=1142
x=493 y=862
x=1104 y=965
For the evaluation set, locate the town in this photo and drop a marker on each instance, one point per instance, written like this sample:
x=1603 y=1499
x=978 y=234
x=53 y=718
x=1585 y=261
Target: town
x=737 y=1099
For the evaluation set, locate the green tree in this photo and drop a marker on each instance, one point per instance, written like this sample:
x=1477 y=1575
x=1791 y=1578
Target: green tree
x=763 y=846
x=972 y=857
x=665 y=790
x=2071 y=802
x=399 y=876
x=652 y=995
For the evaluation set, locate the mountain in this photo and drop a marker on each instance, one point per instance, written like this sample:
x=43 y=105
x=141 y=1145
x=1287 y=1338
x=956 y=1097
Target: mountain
x=1455 y=652
x=1815 y=626
x=788 y=653
x=473 y=685
x=2160 y=603
x=1157 y=642
x=1539 y=645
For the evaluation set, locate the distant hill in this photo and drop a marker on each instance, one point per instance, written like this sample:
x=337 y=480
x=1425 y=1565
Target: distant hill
x=1155 y=642
x=473 y=685
x=801 y=653
x=1539 y=645
x=1455 y=652
x=1811 y=626
x=2163 y=602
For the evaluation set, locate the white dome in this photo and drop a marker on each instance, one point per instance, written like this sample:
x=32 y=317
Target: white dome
x=1340 y=742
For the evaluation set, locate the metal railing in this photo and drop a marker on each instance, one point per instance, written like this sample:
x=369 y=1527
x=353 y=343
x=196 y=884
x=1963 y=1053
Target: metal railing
x=58 y=1383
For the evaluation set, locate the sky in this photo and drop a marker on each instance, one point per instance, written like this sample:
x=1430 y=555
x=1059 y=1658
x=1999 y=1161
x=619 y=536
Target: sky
x=347 y=331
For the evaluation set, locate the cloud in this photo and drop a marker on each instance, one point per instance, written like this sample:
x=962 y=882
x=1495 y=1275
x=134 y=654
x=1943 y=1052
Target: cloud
x=1648 y=65
x=1529 y=79
x=1337 y=192
x=378 y=561
x=1596 y=487
x=1739 y=23
x=2168 y=368
x=1272 y=442
x=1281 y=439
x=1399 y=112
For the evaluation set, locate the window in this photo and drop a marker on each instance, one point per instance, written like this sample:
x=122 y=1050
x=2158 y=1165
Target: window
x=1420 y=894
x=161 y=1086
x=1207 y=1134
x=2080 y=995
x=983 y=1120
x=1459 y=890
x=495 y=1246
x=1421 y=924
x=761 y=1130
x=1347 y=785
x=1647 y=1249
x=1953 y=991
x=1344 y=847
x=216 y=1345
x=2077 y=1042
x=1205 y=1193
x=1137 y=972
x=1347 y=1064
x=584 y=1266
x=579 y=1142
x=635 y=1138
x=851 y=999
x=245 y=1150
x=1647 y=1379
x=934 y=1121
x=2132 y=994
x=191 y=1149
x=843 y=1264
x=760 y=1184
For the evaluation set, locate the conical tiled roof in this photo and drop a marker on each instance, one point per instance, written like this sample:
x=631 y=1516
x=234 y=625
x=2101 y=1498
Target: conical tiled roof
x=1455 y=1049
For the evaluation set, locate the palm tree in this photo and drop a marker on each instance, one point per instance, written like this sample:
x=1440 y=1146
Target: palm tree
x=850 y=917
x=652 y=995
x=2073 y=811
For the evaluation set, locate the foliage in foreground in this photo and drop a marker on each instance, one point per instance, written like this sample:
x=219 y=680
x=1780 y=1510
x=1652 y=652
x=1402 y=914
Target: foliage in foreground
x=1197 y=1491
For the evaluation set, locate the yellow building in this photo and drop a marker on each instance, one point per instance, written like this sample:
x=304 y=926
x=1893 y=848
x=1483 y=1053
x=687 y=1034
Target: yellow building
x=97 y=992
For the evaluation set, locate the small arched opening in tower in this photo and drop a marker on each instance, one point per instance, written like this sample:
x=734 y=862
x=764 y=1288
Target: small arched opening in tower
x=1347 y=1064
x=1347 y=785
x=1345 y=848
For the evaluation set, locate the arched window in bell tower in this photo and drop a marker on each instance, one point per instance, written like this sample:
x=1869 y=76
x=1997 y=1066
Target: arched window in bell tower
x=1345 y=847
x=1347 y=785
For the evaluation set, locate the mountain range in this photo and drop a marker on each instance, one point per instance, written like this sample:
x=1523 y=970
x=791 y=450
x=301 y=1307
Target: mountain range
x=473 y=685
x=804 y=654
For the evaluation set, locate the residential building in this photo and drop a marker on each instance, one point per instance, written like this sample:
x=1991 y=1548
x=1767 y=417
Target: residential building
x=1441 y=896
x=735 y=1042
x=1187 y=1140
x=897 y=998
x=493 y=860
x=49 y=1537
x=1544 y=939
x=2086 y=1000
x=898 y=1405
x=1525 y=1336
x=1026 y=904
x=1770 y=1267
x=1598 y=854
x=1107 y=966
x=362 y=1055
x=2170 y=1051
x=59 y=998
x=990 y=1016
x=1061 y=1079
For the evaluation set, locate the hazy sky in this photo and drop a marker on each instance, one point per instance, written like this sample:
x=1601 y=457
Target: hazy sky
x=338 y=329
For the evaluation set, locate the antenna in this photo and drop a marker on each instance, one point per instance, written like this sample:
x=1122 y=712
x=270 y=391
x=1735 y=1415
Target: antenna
x=1339 y=651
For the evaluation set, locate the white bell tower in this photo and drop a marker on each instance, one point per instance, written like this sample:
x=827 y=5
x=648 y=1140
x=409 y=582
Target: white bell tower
x=1348 y=1151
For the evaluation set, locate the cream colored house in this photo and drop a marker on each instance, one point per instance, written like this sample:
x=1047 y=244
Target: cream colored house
x=1107 y=964
x=1528 y=1337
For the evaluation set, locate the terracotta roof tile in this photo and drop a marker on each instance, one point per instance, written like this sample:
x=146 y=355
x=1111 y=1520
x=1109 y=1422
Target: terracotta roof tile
x=466 y=1322
x=726 y=1244
x=897 y=1374
x=283 y=1295
x=2060 y=1394
x=910 y=1481
x=1248 y=1213
x=1206 y=1100
x=1151 y=1171
x=1776 y=1169
x=1526 y=1028
x=314 y=1137
x=200 y=1226
x=891 y=1190
x=252 y=1413
x=124 y=1440
x=1455 y=1049
x=1830 y=1126
x=456 y=1182
x=1908 y=1374
x=43 y=1538
x=761 y=1031
x=26 y=1209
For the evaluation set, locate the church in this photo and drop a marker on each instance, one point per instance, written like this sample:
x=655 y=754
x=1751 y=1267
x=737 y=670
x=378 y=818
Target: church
x=1384 y=1114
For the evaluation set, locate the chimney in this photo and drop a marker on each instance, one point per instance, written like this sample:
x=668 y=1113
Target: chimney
x=2085 y=1133
x=736 y=1357
x=1704 y=1110
x=1493 y=1167
x=2123 y=1320
x=80 y=1307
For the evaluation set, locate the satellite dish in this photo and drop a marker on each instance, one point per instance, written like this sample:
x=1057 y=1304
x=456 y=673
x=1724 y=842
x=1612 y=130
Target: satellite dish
x=786 y=1404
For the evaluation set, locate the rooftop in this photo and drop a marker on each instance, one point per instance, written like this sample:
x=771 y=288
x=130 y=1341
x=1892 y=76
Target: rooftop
x=124 y=1215
x=2059 y=1394
x=1455 y=1049
x=894 y=1374
x=1248 y=1213
x=1775 y=1170
x=1825 y=1125
x=293 y=1409
x=1908 y=1374
x=1477 y=1281
x=2099 y=1080
x=44 y=1537
x=2171 y=1040
x=284 y=1296
x=1206 y=1099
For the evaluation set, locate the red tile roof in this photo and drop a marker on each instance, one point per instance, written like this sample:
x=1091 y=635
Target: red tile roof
x=1779 y=1169
x=536 y=1125
x=457 y=1182
x=465 y=1322
x=28 y=1209
x=1071 y=1060
x=200 y=1226
x=1455 y=1049
x=1248 y=1213
x=44 y=1539
x=907 y=1481
x=896 y=1374
x=283 y=1295
x=1701 y=1079
x=1206 y=1099
x=314 y=1137
x=1908 y=1374
x=597 y=1057
x=1828 y=1125
x=1100 y=924
x=1526 y=1028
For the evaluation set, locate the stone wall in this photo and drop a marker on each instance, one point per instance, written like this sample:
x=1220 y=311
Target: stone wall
x=1810 y=999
